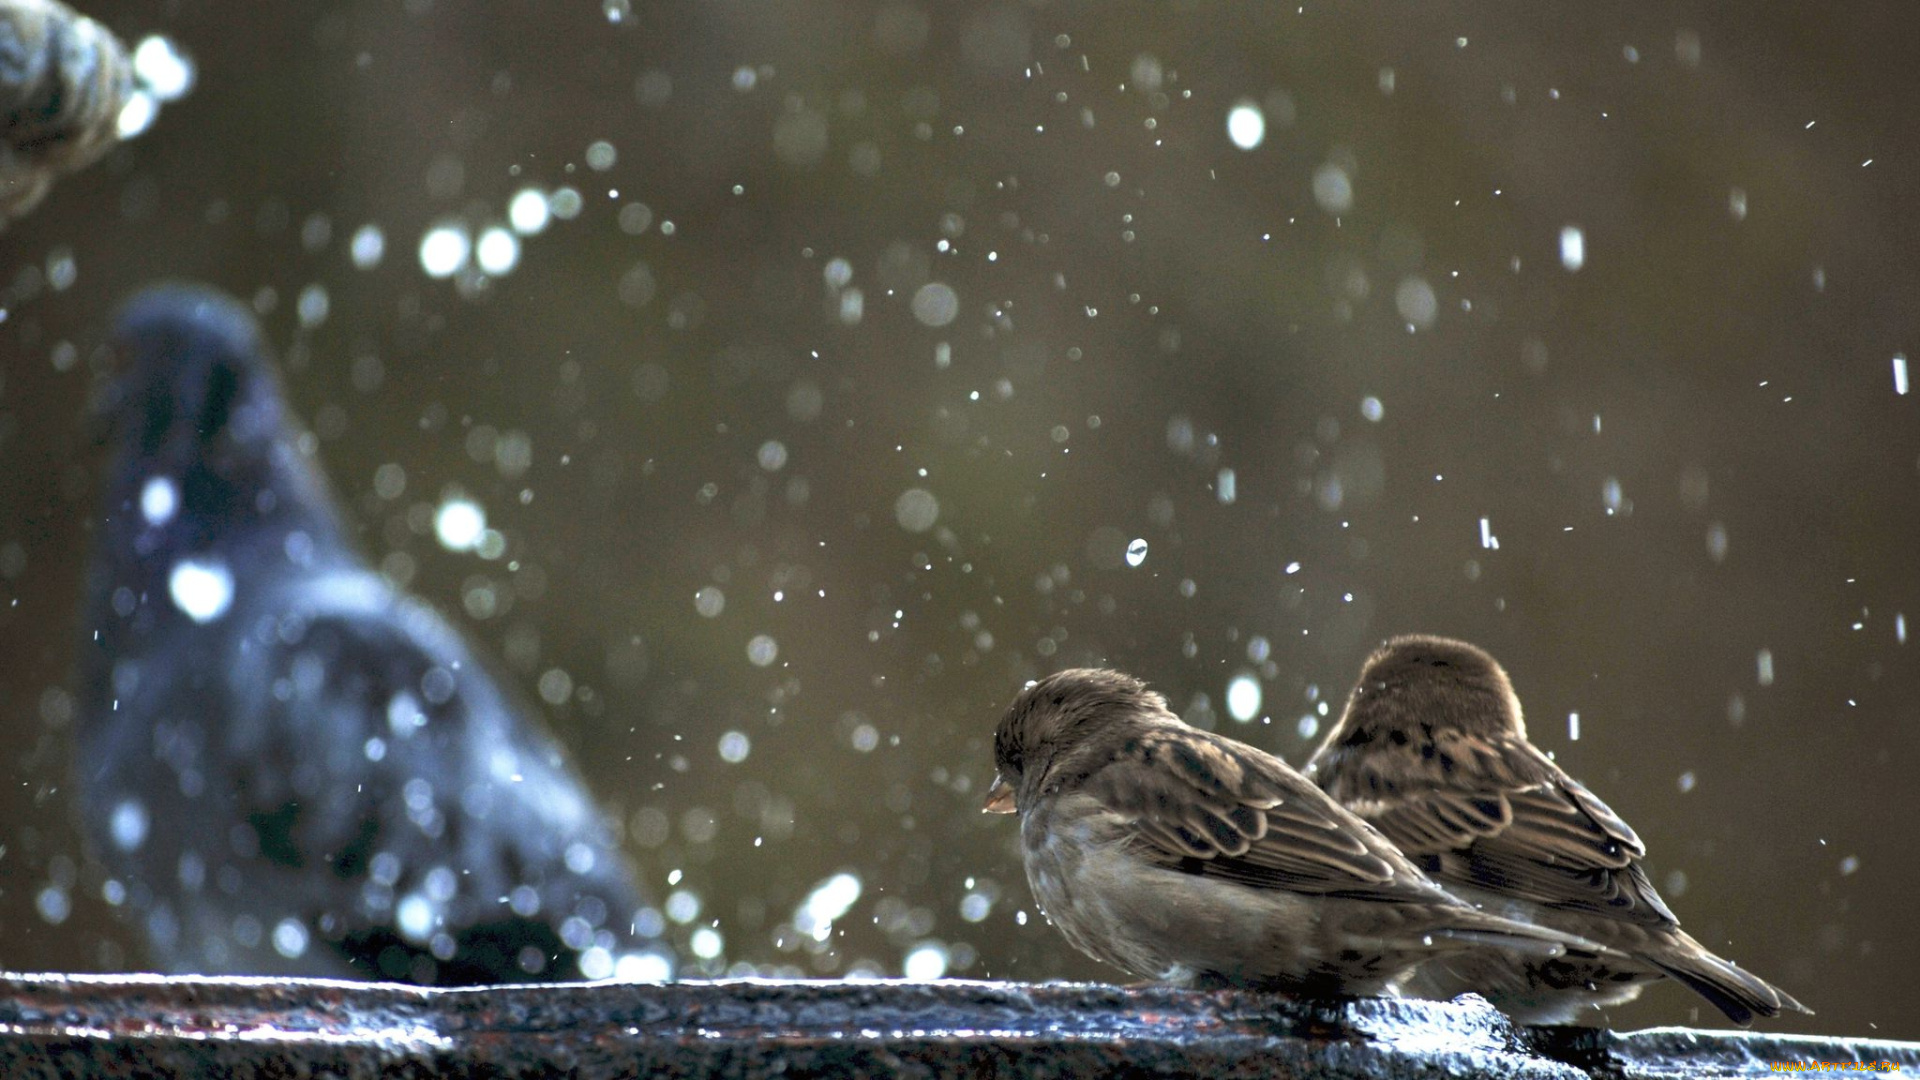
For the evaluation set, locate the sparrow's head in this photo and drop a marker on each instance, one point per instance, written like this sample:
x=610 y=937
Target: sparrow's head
x=1056 y=714
x=1420 y=683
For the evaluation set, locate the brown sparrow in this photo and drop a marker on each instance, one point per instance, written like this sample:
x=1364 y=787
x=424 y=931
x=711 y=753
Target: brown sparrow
x=1433 y=750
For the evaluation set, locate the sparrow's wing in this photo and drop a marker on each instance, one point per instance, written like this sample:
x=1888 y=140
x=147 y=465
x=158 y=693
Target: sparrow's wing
x=1495 y=812
x=1211 y=806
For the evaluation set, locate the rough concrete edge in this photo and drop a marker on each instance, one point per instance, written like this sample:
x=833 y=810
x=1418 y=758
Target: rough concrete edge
x=378 y=1029
x=1657 y=1053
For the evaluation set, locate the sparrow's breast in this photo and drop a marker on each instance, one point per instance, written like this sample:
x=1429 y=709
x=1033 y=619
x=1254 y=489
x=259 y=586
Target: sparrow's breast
x=1096 y=888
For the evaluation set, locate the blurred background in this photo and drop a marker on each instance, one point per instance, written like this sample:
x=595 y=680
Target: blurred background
x=823 y=372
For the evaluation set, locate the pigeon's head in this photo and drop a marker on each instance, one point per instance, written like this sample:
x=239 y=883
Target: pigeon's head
x=195 y=379
x=205 y=446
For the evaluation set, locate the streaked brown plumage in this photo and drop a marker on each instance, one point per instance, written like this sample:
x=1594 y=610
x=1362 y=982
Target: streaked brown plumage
x=1180 y=855
x=1433 y=750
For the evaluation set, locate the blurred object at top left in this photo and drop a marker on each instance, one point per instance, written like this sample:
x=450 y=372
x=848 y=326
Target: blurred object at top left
x=70 y=90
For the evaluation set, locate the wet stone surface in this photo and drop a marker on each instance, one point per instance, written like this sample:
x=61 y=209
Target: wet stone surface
x=70 y=1026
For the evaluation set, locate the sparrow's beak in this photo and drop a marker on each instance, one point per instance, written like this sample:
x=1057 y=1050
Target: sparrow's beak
x=999 y=797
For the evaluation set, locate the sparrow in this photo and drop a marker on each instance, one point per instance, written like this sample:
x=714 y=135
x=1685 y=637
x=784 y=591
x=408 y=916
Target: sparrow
x=1183 y=856
x=1432 y=749
x=285 y=765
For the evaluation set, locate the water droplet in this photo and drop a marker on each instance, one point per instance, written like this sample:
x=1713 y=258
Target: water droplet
x=137 y=115
x=916 y=510
x=1243 y=698
x=565 y=203
x=596 y=963
x=976 y=906
x=762 y=650
x=528 y=212
x=1246 y=125
x=158 y=500
x=368 y=246
x=458 y=524
x=643 y=968
x=498 y=251
x=129 y=824
x=1333 y=189
x=1573 y=248
x=935 y=304
x=54 y=905
x=927 y=960
x=1416 y=302
x=162 y=69
x=556 y=686
x=829 y=900
x=414 y=916
x=204 y=590
x=578 y=859
x=444 y=250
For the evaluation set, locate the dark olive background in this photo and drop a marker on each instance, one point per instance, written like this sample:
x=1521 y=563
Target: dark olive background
x=1139 y=269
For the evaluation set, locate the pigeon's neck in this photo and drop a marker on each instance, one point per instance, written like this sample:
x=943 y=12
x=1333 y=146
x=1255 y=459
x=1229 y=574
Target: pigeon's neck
x=188 y=548
x=272 y=490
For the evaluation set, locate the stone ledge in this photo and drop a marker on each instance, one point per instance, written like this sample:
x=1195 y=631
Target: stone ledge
x=111 y=1026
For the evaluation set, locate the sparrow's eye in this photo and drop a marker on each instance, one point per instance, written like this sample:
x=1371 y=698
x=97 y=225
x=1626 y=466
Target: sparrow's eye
x=1006 y=754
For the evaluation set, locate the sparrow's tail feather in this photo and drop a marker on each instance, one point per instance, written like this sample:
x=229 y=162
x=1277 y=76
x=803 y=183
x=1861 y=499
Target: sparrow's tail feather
x=1526 y=939
x=1737 y=993
x=1541 y=948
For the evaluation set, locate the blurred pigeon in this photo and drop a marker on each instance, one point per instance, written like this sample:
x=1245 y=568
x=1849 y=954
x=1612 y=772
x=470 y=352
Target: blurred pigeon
x=290 y=767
